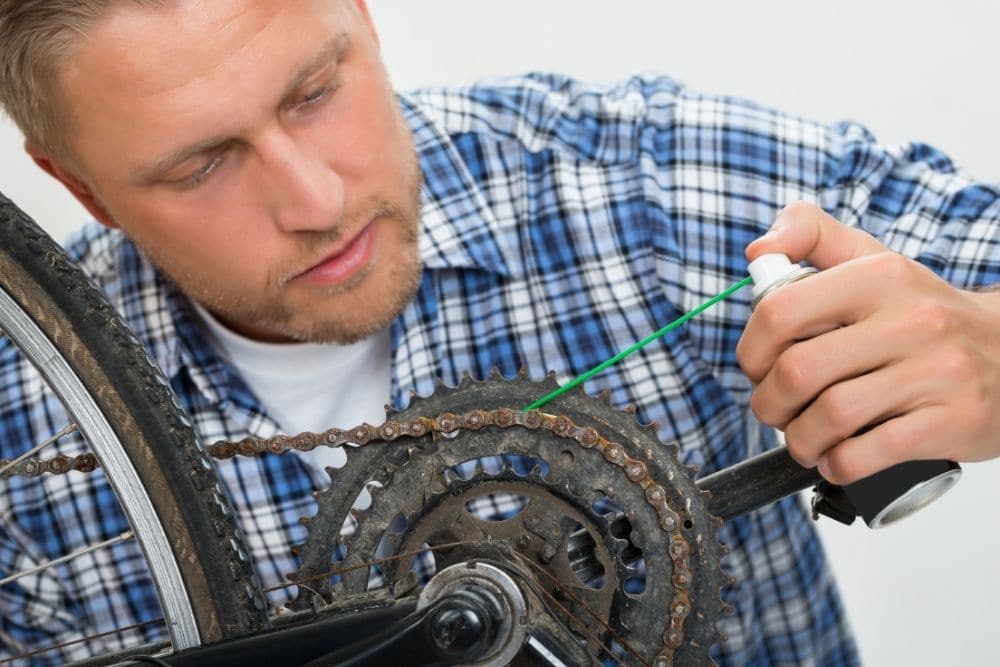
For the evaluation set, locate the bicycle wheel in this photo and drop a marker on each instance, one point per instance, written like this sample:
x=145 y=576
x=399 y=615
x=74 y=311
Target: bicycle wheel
x=148 y=449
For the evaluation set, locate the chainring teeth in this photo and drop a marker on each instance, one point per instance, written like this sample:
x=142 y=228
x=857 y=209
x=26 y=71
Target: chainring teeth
x=683 y=549
x=420 y=528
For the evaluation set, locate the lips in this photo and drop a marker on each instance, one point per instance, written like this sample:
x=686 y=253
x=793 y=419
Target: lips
x=339 y=267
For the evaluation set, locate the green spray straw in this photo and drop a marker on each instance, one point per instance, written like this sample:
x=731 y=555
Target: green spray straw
x=641 y=344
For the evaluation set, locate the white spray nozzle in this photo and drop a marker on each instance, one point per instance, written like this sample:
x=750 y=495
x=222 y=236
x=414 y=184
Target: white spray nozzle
x=769 y=269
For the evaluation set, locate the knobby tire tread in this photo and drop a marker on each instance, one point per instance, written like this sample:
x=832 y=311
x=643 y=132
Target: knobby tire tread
x=159 y=438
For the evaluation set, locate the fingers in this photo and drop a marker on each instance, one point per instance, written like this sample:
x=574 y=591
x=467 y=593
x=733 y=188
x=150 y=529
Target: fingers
x=874 y=338
x=807 y=369
x=805 y=232
x=903 y=438
x=846 y=409
x=838 y=297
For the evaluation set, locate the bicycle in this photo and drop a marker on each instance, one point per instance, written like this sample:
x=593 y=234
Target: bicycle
x=607 y=555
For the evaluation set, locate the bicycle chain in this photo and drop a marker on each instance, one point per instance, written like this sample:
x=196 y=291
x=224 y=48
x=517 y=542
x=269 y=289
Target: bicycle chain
x=448 y=423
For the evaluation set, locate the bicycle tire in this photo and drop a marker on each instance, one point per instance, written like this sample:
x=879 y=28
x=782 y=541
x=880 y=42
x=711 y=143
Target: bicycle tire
x=154 y=435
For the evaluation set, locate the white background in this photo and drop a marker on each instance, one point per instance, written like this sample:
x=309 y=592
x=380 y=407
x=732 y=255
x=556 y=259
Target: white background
x=923 y=592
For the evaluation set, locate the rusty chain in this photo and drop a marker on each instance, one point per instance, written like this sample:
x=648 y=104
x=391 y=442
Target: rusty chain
x=447 y=423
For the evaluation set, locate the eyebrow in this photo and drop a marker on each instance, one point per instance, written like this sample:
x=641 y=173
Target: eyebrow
x=331 y=51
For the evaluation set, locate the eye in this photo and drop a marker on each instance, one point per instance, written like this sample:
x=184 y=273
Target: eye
x=199 y=177
x=316 y=96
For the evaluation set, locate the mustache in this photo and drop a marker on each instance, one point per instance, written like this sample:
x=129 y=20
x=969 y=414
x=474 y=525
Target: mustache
x=317 y=243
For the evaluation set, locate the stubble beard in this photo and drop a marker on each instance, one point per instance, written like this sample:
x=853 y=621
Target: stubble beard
x=343 y=314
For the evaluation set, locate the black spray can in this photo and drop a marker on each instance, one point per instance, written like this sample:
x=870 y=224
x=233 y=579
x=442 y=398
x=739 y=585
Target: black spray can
x=895 y=492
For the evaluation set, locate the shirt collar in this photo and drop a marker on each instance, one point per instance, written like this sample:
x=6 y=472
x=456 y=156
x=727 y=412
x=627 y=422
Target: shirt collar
x=458 y=231
x=458 y=228
x=158 y=313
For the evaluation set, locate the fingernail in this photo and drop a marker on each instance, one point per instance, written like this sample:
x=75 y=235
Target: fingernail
x=824 y=467
x=774 y=230
x=776 y=226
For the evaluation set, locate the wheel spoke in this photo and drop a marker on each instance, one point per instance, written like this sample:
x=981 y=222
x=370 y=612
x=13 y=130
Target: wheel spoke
x=69 y=428
x=107 y=659
x=124 y=537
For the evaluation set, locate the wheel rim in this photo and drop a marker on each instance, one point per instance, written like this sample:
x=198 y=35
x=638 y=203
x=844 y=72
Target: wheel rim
x=122 y=475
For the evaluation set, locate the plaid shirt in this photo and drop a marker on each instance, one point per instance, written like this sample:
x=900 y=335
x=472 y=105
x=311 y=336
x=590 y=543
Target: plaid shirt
x=561 y=222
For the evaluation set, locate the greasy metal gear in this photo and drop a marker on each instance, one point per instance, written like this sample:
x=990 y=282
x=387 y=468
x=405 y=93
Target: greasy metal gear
x=591 y=454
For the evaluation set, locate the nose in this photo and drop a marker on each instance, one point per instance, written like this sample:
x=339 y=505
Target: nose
x=302 y=191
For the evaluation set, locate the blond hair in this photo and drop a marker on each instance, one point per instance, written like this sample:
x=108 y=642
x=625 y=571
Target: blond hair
x=36 y=38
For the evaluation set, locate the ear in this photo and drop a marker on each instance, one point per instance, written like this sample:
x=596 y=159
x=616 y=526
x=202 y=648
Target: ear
x=83 y=193
x=367 y=17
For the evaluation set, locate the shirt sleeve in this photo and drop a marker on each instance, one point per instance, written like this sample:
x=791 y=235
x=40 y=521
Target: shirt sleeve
x=916 y=201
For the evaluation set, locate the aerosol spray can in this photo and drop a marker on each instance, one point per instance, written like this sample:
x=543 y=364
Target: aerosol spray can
x=895 y=492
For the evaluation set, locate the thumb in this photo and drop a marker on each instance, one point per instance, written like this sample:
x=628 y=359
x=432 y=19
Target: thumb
x=805 y=232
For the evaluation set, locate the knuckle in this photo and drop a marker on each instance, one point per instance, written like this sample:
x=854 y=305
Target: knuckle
x=770 y=314
x=932 y=318
x=792 y=372
x=839 y=409
x=892 y=268
x=763 y=408
x=961 y=366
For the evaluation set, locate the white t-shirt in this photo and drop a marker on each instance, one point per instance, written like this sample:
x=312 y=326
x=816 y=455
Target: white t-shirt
x=312 y=386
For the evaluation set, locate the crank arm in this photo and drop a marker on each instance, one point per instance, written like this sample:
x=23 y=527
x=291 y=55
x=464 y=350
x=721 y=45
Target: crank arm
x=296 y=644
x=880 y=499
x=756 y=482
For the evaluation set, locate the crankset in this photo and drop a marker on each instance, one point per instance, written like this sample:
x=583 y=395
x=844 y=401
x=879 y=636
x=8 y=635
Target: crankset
x=594 y=518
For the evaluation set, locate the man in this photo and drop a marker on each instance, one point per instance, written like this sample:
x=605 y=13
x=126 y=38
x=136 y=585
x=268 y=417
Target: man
x=256 y=155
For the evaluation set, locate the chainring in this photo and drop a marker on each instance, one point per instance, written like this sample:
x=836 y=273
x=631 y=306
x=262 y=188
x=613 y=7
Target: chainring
x=608 y=521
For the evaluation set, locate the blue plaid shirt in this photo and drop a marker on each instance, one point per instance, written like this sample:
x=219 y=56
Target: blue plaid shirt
x=561 y=222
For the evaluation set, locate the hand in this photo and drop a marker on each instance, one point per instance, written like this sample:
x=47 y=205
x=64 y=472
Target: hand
x=874 y=340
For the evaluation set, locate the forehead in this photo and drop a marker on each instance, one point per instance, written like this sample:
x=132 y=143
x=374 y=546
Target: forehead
x=173 y=71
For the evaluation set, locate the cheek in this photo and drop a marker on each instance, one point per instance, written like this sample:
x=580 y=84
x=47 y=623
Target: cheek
x=205 y=240
x=363 y=138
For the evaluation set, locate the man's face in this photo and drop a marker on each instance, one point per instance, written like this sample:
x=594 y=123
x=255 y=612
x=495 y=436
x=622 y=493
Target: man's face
x=255 y=151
